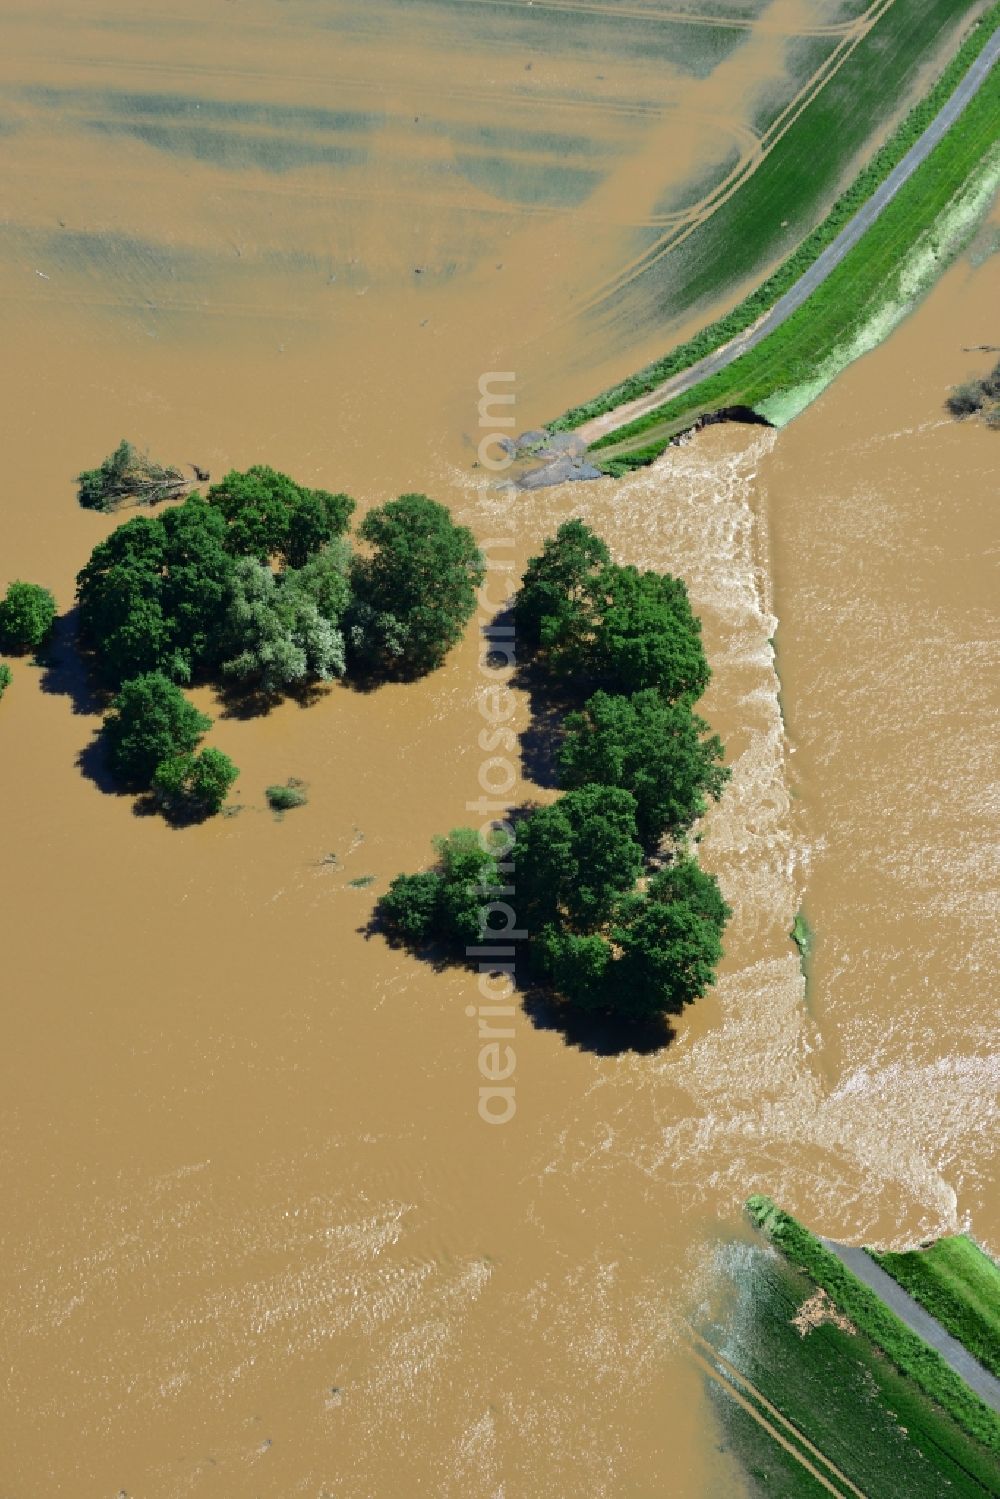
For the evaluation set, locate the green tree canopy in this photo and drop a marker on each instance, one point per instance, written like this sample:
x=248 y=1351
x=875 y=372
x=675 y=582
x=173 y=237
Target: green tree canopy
x=416 y=590
x=576 y=857
x=6 y=677
x=661 y=752
x=451 y=902
x=323 y=578
x=648 y=636
x=556 y=607
x=149 y=722
x=27 y=614
x=274 y=636
x=170 y=594
x=593 y=619
x=658 y=953
x=194 y=785
x=269 y=515
x=152 y=595
x=576 y=966
x=411 y=906
x=669 y=940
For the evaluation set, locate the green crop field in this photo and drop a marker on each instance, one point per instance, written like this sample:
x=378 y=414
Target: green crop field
x=960 y=1286
x=842 y=1397
x=865 y=281
x=802 y=172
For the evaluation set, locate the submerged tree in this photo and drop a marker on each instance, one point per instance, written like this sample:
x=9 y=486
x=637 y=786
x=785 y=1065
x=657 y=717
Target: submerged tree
x=590 y=618
x=978 y=395
x=194 y=785
x=558 y=604
x=416 y=590
x=451 y=902
x=659 y=751
x=153 y=594
x=148 y=723
x=575 y=858
x=274 y=636
x=668 y=941
x=128 y=474
x=175 y=594
x=649 y=636
x=657 y=954
x=27 y=614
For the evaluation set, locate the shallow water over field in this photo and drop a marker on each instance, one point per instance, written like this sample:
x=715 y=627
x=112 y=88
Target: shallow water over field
x=256 y=1240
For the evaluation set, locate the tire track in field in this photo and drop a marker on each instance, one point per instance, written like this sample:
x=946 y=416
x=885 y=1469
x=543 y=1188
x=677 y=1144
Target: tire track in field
x=731 y=1382
x=742 y=173
x=730 y=1372
x=685 y=17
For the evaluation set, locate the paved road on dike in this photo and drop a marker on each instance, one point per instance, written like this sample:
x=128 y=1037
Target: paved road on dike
x=821 y=267
x=920 y=1322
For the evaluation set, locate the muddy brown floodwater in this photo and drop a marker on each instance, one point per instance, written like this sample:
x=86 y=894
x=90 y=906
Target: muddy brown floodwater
x=256 y=1240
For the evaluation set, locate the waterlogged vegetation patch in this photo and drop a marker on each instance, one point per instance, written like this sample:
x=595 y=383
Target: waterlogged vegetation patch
x=802 y=935
x=232 y=134
x=233 y=150
x=978 y=397
x=517 y=181
x=204 y=110
x=128 y=474
x=285 y=798
x=542 y=33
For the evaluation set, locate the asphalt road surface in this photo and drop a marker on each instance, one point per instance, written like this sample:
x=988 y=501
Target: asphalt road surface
x=921 y=1322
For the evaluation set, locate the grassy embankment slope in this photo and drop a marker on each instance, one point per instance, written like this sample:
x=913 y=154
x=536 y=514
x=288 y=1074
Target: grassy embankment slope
x=836 y=312
x=910 y=1355
x=960 y=1286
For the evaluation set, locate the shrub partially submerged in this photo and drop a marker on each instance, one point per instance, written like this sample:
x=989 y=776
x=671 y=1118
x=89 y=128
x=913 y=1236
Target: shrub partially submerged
x=27 y=614
x=193 y=786
x=977 y=395
x=284 y=798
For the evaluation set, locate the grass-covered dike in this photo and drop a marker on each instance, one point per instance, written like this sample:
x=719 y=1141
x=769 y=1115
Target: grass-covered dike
x=910 y=1355
x=760 y=301
x=960 y=1286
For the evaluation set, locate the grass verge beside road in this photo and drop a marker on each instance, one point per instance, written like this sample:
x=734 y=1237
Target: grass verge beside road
x=960 y=1286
